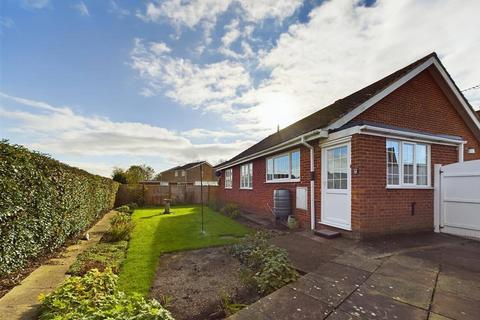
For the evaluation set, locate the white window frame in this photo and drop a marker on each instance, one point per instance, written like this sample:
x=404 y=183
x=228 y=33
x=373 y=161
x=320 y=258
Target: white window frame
x=230 y=180
x=413 y=185
x=249 y=185
x=176 y=173
x=289 y=154
x=183 y=173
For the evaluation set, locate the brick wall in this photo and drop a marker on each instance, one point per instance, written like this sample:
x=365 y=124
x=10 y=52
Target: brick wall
x=260 y=199
x=378 y=210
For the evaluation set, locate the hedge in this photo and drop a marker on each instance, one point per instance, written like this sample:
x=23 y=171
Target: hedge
x=44 y=203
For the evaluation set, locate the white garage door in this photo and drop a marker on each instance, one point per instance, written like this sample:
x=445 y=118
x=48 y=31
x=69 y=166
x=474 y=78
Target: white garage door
x=458 y=198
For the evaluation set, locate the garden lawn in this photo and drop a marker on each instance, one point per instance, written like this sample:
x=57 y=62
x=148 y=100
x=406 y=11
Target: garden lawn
x=156 y=233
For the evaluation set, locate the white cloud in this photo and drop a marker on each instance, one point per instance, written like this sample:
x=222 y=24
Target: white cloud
x=277 y=9
x=184 y=81
x=6 y=23
x=35 y=4
x=192 y=12
x=116 y=9
x=63 y=132
x=81 y=7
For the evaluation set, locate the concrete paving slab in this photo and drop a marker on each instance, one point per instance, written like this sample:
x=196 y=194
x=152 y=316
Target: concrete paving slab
x=306 y=254
x=390 y=268
x=329 y=292
x=334 y=272
x=340 y=315
x=455 y=307
x=287 y=303
x=404 y=291
x=417 y=261
x=363 y=305
x=466 y=288
x=434 y=316
x=358 y=261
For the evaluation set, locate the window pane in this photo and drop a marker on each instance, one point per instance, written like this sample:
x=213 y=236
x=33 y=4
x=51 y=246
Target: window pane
x=281 y=167
x=295 y=158
x=337 y=168
x=269 y=169
x=393 y=155
x=422 y=164
x=408 y=163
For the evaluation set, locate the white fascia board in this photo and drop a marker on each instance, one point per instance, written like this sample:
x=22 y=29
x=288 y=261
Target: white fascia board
x=336 y=137
x=316 y=134
x=414 y=136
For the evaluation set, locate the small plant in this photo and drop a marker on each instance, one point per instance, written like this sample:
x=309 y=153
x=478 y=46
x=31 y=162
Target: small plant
x=94 y=296
x=133 y=206
x=231 y=210
x=121 y=226
x=229 y=306
x=125 y=209
x=101 y=256
x=166 y=300
x=267 y=267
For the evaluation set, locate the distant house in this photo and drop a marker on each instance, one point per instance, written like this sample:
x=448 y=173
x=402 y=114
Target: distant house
x=190 y=173
x=478 y=113
x=364 y=163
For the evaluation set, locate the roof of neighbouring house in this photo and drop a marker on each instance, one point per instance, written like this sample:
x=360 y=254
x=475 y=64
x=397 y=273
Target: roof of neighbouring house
x=187 y=166
x=329 y=114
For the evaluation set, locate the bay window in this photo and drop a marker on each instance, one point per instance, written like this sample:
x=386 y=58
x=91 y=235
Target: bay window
x=407 y=164
x=284 y=167
x=228 y=179
x=246 y=173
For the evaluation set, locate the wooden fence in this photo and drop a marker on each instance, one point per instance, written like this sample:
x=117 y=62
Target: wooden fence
x=154 y=195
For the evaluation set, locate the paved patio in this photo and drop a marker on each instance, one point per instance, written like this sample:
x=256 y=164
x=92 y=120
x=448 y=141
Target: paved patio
x=426 y=276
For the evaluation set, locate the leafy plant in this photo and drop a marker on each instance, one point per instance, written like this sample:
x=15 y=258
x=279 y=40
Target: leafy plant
x=94 y=296
x=268 y=267
x=231 y=210
x=44 y=203
x=125 y=209
x=229 y=306
x=121 y=226
x=101 y=256
x=133 y=206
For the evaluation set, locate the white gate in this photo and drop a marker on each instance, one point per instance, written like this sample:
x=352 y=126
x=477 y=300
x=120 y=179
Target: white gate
x=457 y=198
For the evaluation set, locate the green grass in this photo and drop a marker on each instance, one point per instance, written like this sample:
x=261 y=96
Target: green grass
x=156 y=233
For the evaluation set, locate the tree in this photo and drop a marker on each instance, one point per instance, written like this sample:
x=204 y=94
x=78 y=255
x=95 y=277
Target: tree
x=158 y=177
x=118 y=175
x=137 y=173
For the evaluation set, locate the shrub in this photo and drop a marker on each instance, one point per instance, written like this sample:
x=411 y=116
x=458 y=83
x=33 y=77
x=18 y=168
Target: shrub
x=268 y=266
x=133 y=206
x=44 y=203
x=231 y=210
x=121 y=226
x=94 y=296
x=101 y=256
x=216 y=205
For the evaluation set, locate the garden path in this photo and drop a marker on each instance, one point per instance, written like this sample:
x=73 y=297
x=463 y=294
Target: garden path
x=22 y=301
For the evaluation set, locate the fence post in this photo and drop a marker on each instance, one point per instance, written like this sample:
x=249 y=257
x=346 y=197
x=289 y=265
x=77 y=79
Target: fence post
x=437 y=197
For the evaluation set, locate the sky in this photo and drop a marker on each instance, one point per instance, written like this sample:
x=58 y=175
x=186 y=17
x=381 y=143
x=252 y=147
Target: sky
x=103 y=84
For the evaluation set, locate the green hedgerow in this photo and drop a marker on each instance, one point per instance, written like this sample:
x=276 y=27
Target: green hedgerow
x=94 y=297
x=44 y=203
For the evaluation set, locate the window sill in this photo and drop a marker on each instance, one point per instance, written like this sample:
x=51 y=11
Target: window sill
x=410 y=187
x=284 y=181
x=245 y=188
x=228 y=188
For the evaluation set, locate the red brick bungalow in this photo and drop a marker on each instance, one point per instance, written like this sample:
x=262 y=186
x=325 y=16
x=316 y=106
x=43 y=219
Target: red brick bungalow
x=364 y=163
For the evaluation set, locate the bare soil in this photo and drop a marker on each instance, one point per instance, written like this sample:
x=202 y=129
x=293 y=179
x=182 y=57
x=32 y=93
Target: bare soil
x=195 y=282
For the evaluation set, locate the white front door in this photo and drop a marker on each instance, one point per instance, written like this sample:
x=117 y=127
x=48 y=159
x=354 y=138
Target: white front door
x=336 y=186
